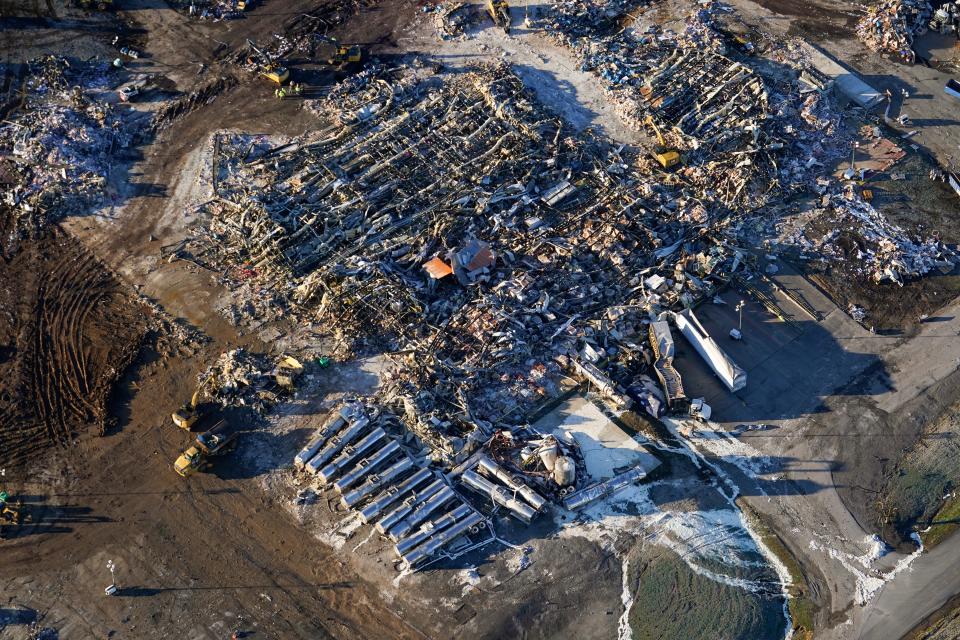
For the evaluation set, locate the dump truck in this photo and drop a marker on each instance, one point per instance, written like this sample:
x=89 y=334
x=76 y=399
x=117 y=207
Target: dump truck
x=663 y=154
x=215 y=441
x=187 y=415
x=499 y=12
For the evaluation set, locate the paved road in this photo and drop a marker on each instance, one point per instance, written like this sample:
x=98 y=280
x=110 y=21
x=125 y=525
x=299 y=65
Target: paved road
x=933 y=579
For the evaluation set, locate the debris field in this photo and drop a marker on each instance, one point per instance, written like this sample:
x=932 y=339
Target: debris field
x=432 y=215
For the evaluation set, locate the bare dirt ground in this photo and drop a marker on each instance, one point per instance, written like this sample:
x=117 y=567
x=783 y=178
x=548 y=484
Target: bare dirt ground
x=67 y=330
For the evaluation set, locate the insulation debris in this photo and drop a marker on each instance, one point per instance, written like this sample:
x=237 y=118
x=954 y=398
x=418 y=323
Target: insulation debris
x=890 y=26
x=59 y=145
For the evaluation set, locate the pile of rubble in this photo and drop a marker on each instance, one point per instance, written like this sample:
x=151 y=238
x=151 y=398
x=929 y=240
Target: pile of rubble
x=376 y=466
x=59 y=144
x=213 y=10
x=241 y=378
x=448 y=220
x=451 y=19
x=890 y=26
x=866 y=243
x=715 y=111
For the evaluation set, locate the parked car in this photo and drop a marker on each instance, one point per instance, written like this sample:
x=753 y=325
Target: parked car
x=131 y=90
x=952 y=88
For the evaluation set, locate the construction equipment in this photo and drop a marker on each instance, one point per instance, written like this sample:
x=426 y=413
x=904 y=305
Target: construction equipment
x=288 y=370
x=499 y=12
x=215 y=441
x=266 y=66
x=663 y=154
x=10 y=514
x=334 y=54
x=187 y=415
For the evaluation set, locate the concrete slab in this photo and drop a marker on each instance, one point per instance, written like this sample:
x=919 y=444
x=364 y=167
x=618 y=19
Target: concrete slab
x=607 y=449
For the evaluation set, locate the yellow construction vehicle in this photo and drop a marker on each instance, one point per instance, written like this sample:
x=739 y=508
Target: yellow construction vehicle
x=288 y=370
x=276 y=74
x=10 y=514
x=266 y=66
x=663 y=154
x=499 y=12
x=334 y=54
x=218 y=439
x=187 y=415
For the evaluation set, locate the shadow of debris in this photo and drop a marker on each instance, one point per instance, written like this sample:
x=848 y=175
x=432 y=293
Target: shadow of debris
x=17 y=617
x=48 y=519
x=259 y=452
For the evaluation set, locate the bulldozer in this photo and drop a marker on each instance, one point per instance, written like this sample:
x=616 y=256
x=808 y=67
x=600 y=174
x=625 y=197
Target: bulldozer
x=663 y=154
x=334 y=54
x=187 y=415
x=499 y=12
x=266 y=66
x=287 y=372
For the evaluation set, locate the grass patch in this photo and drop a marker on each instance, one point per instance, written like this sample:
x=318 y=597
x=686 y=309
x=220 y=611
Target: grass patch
x=945 y=522
x=802 y=608
x=672 y=602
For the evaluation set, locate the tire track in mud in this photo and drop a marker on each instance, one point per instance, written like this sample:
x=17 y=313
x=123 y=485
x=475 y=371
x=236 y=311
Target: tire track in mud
x=77 y=332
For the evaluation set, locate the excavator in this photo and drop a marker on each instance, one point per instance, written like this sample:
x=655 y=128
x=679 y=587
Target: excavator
x=266 y=67
x=334 y=54
x=187 y=415
x=499 y=12
x=663 y=154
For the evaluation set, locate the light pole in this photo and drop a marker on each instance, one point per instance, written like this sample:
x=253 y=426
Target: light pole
x=112 y=588
x=737 y=333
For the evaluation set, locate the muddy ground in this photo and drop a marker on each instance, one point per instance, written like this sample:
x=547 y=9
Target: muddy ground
x=68 y=329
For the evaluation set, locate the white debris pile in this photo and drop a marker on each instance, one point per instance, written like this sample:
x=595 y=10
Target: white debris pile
x=890 y=26
x=241 y=378
x=870 y=244
x=450 y=19
x=60 y=144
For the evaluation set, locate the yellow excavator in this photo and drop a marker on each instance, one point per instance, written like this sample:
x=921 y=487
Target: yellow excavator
x=663 y=154
x=187 y=415
x=266 y=67
x=334 y=54
x=499 y=12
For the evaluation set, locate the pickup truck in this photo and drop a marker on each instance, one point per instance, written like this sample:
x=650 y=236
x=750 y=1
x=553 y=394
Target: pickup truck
x=216 y=440
x=132 y=89
x=952 y=88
